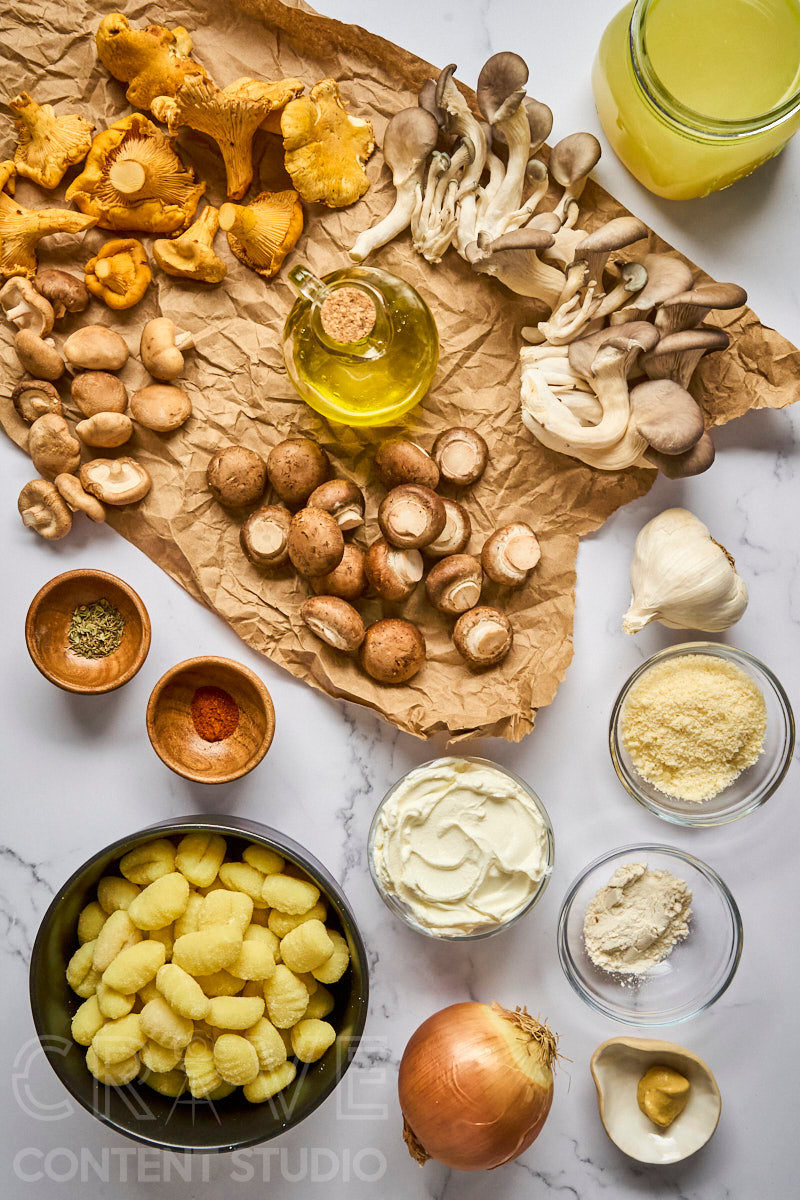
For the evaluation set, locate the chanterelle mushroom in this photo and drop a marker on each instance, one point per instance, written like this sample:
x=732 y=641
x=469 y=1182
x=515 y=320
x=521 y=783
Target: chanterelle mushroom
x=43 y=510
x=263 y=232
x=118 y=274
x=21 y=229
x=25 y=307
x=152 y=61
x=115 y=481
x=191 y=254
x=47 y=144
x=133 y=179
x=326 y=149
x=230 y=116
x=334 y=622
x=483 y=636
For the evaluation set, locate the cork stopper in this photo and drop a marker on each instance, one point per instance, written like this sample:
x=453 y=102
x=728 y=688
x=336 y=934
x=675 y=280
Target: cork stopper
x=348 y=314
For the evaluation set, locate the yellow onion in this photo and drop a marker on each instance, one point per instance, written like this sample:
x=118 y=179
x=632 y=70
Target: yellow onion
x=476 y=1085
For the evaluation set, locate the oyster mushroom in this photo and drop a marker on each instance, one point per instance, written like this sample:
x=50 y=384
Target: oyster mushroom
x=510 y=553
x=688 y=309
x=454 y=584
x=78 y=500
x=191 y=254
x=334 y=622
x=681 y=466
x=513 y=259
x=393 y=651
x=596 y=248
x=411 y=516
x=42 y=509
x=348 y=580
x=118 y=274
x=52 y=447
x=483 y=636
x=161 y=407
x=38 y=356
x=21 y=229
x=265 y=534
x=666 y=415
x=343 y=499
x=571 y=161
x=677 y=354
x=296 y=467
x=456 y=533
x=66 y=293
x=105 y=429
x=325 y=148
x=666 y=276
x=97 y=391
x=263 y=232
x=47 y=144
x=161 y=346
x=236 y=477
x=315 y=543
x=393 y=573
x=434 y=220
x=153 y=61
x=25 y=307
x=582 y=351
x=459 y=122
x=134 y=180
x=33 y=398
x=96 y=348
x=461 y=455
x=115 y=481
x=400 y=461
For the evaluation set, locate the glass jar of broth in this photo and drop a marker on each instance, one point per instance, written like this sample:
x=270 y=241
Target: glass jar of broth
x=695 y=94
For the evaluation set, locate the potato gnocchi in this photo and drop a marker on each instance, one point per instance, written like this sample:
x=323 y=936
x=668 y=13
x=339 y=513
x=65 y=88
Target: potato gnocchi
x=201 y=973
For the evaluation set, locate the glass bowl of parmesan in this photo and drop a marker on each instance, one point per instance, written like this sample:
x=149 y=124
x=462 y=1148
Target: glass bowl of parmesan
x=649 y=935
x=701 y=734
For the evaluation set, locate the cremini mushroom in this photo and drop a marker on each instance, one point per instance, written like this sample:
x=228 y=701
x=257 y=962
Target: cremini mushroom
x=510 y=553
x=52 y=447
x=263 y=232
x=191 y=254
x=316 y=544
x=296 y=467
x=236 y=477
x=456 y=533
x=264 y=536
x=411 y=516
x=689 y=308
x=161 y=346
x=66 y=292
x=21 y=229
x=343 y=499
x=393 y=573
x=454 y=584
x=666 y=415
x=161 y=407
x=483 y=636
x=77 y=499
x=325 y=148
x=43 y=509
x=681 y=466
x=400 y=461
x=119 y=274
x=230 y=115
x=347 y=580
x=98 y=391
x=393 y=651
x=153 y=61
x=105 y=430
x=33 y=398
x=115 y=481
x=47 y=144
x=25 y=307
x=96 y=348
x=677 y=354
x=461 y=455
x=134 y=180
x=38 y=356
x=334 y=622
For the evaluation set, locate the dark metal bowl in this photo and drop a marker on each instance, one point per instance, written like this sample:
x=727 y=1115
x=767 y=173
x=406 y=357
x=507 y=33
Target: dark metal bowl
x=136 y=1110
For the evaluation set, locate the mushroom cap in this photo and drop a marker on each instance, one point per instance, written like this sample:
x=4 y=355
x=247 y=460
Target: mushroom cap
x=69 y=486
x=427 y=100
x=399 y=461
x=296 y=467
x=501 y=85
x=264 y=537
x=315 y=542
x=116 y=481
x=119 y=273
x=43 y=509
x=32 y=398
x=159 y=351
x=614 y=235
x=528 y=238
x=581 y=353
x=334 y=621
x=97 y=391
x=36 y=314
x=236 y=476
x=574 y=157
x=540 y=121
x=161 y=407
x=688 y=308
x=483 y=636
x=667 y=415
x=393 y=573
x=21 y=229
x=343 y=499
x=667 y=275
x=52 y=447
x=454 y=584
x=325 y=148
x=510 y=553
x=457 y=531
x=393 y=651
x=153 y=61
x=66 y=292
x=38 y=357
x=96 y=348
x=411 y=516
x=347 y=580
x=681 y=466
x=461 y=455
x=106 y=430
x=675 y=350
x=48 y=144
x=411 y=135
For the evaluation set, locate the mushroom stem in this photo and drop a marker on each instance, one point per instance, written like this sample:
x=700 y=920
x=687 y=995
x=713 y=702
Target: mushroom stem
x=128 y=176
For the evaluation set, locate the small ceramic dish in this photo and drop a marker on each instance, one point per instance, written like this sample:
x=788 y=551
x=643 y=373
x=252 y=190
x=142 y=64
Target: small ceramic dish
x=747 y=792
x=48 y=621
x=618 y=1065
x=691 y=978
x=171 y=728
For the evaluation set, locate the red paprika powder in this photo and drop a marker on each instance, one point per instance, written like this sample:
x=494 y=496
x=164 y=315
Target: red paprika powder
x=215 y=713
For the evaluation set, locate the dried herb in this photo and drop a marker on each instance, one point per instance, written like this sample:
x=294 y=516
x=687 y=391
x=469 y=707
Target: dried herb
x=95 y=630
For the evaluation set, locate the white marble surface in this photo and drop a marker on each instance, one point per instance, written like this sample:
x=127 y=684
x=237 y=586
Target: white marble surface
x=78 y=773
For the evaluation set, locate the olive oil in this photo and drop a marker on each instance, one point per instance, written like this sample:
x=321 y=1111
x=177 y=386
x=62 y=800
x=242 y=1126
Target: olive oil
x=385 y=370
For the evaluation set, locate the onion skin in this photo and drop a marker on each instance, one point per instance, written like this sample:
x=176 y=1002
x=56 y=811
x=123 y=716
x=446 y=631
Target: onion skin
x=466 y=1100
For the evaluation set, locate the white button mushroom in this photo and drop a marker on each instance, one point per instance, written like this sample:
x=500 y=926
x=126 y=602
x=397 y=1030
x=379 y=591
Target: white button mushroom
x=393 y=573
x=316 y=544
x=161 y=346
x=264 y=536
x=454 y=584
x=393 y=651
x=483 y=636
x=411 y=516
x=510 y=553
x=334 y=622
x=116 y=481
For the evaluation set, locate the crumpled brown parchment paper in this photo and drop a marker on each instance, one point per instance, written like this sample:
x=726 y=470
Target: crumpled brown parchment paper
x=241 y=392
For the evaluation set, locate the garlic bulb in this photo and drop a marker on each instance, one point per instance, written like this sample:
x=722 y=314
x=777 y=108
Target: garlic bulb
x=681 y=577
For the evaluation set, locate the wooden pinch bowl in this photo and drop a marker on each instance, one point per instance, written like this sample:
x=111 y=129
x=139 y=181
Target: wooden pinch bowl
x=47 y=626
x=176 y=741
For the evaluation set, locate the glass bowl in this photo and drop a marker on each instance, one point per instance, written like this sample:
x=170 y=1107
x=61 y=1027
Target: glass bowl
x=691 y=978
x=404 y=912
x=750 y=789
